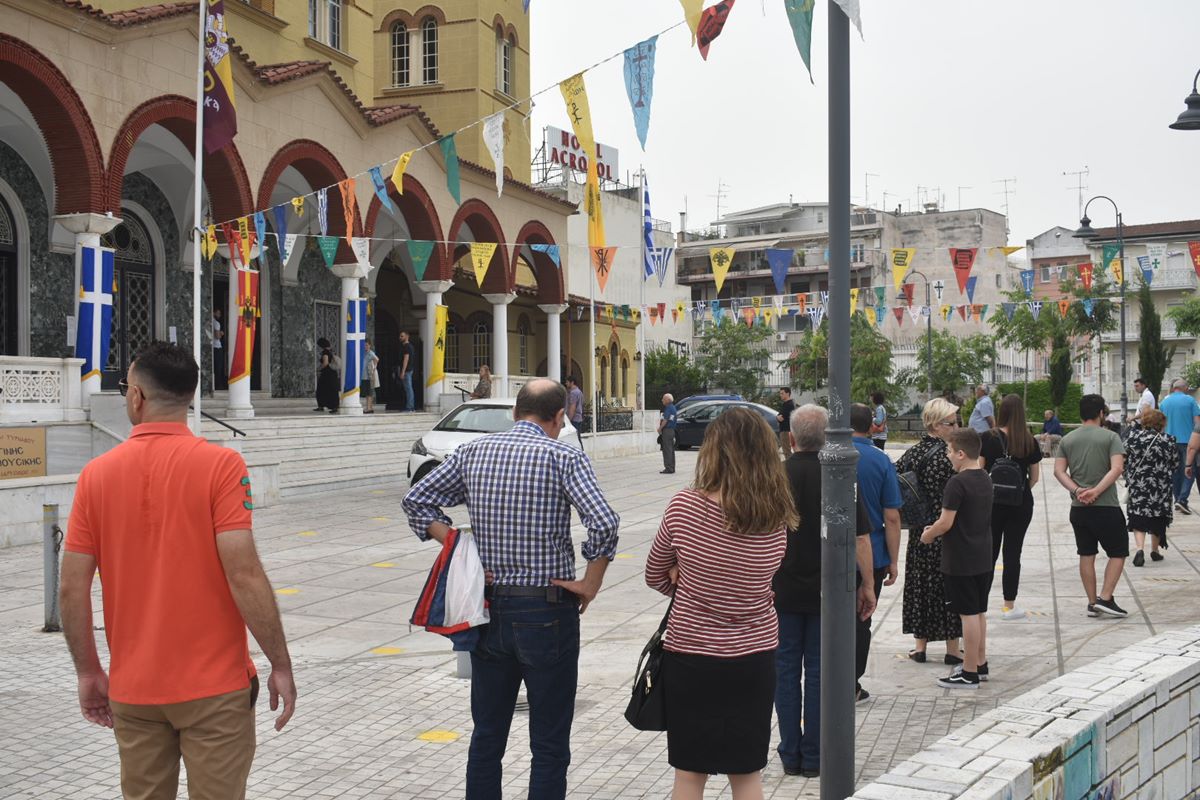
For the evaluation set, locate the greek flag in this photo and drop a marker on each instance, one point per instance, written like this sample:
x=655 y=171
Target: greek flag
x=95 y=309
x=356 y=344
x=648 y=233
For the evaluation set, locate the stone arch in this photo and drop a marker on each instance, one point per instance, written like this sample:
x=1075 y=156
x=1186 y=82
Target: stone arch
x=439 y=16
x=321 y=169
x=225 y=178
x=479 y=218
x=64 y=123
x=420 y=214
x=551 y=290
x=397 y=15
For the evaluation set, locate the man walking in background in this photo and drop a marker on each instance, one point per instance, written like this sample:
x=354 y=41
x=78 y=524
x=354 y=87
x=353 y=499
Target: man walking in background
x=784 y=416
x=1183 y=414
x=519 y=487
x=575 y=407
x=666 y=433
x=1090 y=460
x=166 y=517
x=407 y=362
x=983 y=416
x=879 y=491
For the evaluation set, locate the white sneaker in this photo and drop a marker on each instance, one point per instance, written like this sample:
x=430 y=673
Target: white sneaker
x=1013 y=613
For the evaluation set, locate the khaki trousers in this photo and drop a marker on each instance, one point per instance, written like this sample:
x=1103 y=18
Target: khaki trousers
x=214 y=735
x=785 y=443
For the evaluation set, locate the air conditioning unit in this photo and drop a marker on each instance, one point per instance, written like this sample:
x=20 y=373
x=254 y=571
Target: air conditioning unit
x=781 y=337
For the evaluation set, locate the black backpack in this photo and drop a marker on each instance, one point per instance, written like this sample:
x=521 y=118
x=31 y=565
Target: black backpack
x=1008 y=478
x=914 y=508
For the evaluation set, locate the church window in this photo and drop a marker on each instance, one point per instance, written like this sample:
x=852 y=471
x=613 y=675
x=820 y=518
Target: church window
x=429 y=51
x=400 y=55
x=481 y=341
x=325 y=22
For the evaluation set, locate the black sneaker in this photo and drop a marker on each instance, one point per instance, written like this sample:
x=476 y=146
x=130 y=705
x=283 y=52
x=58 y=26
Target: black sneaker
x=959 y=680
x=1183 y=508
x=981 y=671
x=1139 y=560
x=1091 y=610
x=810 y=772
x=792 y=770
x=1155 y=556
x=1110 y=608
x=861 y=694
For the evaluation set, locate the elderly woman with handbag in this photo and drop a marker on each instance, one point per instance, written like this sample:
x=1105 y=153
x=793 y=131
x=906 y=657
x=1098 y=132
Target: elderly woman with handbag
x=1150 y=460
x=716 y=551
x=925 y=615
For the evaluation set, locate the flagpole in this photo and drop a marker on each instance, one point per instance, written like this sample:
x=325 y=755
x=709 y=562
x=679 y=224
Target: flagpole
x=197 y=194
x=592 y=339
x=641 y=333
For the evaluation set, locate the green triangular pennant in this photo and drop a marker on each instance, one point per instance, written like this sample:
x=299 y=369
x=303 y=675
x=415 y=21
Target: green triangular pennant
x=420 y=252
x=450 y=153
x=329 y=246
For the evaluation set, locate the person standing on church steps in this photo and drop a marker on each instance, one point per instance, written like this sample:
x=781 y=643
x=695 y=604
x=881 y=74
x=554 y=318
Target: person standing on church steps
x=407 y=362
x=519 y=487
x=166 y=517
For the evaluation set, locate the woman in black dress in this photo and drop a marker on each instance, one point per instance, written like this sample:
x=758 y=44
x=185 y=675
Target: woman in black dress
x=925 y=614
x=1150 y=460
x=328 y=396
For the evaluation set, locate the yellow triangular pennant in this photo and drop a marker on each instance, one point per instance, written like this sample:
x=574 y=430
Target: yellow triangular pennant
x=901 y=260
x=398 y=172
x=722 y=260
x=481 y=259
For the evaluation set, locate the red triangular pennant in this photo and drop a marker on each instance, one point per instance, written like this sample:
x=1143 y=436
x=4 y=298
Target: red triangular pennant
x=962 y=259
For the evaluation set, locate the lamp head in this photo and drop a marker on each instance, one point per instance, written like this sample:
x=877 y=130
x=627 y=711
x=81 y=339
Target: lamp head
x=1086 y=231
x=1189 y=120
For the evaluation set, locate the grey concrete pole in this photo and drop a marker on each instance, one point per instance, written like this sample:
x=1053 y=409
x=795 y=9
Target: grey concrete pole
x=838 y=457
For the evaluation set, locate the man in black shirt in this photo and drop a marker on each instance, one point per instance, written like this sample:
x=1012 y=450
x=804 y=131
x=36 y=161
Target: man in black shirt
x=406 y=370
x=797 y=587
x=967 y=564
x=785 y=419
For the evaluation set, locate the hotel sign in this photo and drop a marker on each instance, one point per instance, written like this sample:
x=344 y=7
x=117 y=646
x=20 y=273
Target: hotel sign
x=564 y=148
x=22 y=453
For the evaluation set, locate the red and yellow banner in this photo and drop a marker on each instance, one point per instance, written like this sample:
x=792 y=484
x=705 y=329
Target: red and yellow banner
x=574 y=92
x=248 y=312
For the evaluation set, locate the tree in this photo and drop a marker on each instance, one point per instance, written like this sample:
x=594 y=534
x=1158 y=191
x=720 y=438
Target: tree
x=809 y=362
x=1153 y=356
x=734 y=356
x=870 y=364
x=1104 y=312
x=1187 y=316
x=1023 y=331
x=673 y=372
x=957 y=363
x=1060 y=366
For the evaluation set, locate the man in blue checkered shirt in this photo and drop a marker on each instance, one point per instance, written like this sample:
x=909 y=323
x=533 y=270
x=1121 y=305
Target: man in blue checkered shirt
x=519 y=487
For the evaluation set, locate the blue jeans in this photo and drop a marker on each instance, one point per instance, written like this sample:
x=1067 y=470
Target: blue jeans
x=530 y=640
x=1180 y=482
x=409 y=401
x=797 y=700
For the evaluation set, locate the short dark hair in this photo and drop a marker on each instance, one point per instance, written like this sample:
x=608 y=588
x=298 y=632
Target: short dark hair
x=542 y=399
x=322 y=342
x=967 y=440
x=1142 y=381
x=1091 y=406
x=877 y=398
x=169 y=371
x=571 y=380
x=787 y=389
x=861 y=418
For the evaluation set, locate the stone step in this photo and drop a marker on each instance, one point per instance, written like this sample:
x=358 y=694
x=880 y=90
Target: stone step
x=351 y=475
x=365 y=452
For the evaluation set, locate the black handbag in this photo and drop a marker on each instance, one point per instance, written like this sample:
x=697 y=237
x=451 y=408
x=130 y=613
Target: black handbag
x=914 y=508
x=647 y=709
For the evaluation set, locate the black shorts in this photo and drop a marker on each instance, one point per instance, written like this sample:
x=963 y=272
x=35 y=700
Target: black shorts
x=1154 y=525
x=967 y=595
x=1100 y=526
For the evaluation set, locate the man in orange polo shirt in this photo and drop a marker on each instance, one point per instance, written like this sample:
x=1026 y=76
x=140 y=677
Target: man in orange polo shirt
x=166 y=517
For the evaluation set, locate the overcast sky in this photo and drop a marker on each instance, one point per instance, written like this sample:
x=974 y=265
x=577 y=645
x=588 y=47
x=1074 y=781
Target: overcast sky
x=945 y=94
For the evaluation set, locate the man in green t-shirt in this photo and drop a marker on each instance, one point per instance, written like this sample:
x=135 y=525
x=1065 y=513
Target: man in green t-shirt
x=1090 y=460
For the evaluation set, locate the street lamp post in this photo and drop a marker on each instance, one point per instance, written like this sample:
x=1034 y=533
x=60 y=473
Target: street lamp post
x=1086 y=231
x=1189 y=120
x=928 y=332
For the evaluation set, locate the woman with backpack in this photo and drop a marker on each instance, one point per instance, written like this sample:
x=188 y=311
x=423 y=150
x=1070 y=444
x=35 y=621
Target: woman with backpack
x=1011 y=456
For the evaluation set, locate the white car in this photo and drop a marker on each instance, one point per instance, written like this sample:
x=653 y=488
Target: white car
x=467 y=423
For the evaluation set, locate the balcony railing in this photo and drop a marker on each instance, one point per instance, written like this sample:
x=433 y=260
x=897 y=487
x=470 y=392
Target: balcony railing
x=1133 y=330
x=40 y=390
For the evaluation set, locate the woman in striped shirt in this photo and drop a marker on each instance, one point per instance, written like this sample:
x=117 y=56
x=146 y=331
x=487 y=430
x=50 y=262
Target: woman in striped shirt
x=716 y=551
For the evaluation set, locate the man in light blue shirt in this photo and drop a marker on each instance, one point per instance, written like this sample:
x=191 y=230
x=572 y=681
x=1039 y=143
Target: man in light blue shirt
x=1183 y=414
x=983 y=418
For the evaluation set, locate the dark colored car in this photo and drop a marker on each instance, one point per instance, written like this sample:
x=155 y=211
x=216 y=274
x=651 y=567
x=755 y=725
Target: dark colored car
x=704 y=398
x=693 y=421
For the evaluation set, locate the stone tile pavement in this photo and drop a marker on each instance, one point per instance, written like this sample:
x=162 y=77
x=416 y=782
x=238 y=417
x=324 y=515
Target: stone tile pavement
x=381 y=714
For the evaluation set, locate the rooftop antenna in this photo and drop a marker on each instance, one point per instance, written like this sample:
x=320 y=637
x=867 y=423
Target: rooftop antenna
x=722 y=191
x=1081 y=186
x=960 y=195
x=1006 y=191
x=867 y=188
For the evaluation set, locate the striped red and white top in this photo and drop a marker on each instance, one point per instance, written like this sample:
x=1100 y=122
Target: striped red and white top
x=724 y=605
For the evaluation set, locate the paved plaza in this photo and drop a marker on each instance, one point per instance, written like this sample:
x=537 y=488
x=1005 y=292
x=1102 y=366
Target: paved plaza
x=382 y=715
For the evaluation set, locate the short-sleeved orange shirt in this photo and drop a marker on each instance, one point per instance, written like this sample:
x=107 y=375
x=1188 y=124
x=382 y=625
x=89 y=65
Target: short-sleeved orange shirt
x=149 y=512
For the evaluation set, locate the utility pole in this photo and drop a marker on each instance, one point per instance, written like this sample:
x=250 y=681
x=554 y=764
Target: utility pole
x=722 y=191
x=1081 y=185
x=839 y=458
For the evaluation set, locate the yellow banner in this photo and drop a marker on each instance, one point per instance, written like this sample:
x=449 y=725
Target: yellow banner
x=1118 y=271
x=722 y=260
x=208 y=244
x=298 y=206
x=901 y=259
x=437 y=369
x=692 y=11
x=853 y=301
x=872 y=317
x=481 y=259
x=945 y=311
x=1008 y=251
x=244 y=232
x=767 y=315
x=398 y=172
x=575 y=94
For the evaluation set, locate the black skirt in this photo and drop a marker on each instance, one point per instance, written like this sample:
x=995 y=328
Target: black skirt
x=719 y=711
x=327 y=388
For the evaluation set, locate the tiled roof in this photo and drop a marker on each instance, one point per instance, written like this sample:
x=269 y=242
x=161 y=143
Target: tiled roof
x=491 y=173
x=1187 y=227
x=135 y=16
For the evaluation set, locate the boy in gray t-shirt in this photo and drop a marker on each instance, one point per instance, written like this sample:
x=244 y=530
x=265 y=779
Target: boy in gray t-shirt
x=1090 y=460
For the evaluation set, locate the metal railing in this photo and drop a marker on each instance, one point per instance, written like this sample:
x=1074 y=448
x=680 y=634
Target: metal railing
x=222 y=423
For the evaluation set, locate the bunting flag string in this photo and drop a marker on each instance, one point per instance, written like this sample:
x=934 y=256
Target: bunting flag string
x=1027 y=282
x=780 y=260
x=692 y=11
x=323 y=210
x=348 y=205
x=481 y=259
x=722 y=260
x=550 y=250
x=450 y=154
x=381 y=191
x=971 y=283
x=603 y=260
x=1194 y=252
x=574 y=92
x=800 y=17
x=639 y=83
x=398 y=172
x=712 y=22
x=1085 y=275
x=494 y=135
x=901 y=259
x=962 y=260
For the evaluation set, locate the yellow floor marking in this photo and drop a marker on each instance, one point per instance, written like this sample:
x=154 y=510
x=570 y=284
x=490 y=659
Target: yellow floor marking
x=307 y=533
x=383 y=564
x=388 y=651
x=379 y=491
x=439 y=736
x=625 y=555
x=381 y=519
x=287 y=591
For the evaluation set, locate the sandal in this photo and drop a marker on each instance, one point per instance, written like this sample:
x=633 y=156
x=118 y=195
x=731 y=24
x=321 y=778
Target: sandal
x=917 y=656
x=952 y=660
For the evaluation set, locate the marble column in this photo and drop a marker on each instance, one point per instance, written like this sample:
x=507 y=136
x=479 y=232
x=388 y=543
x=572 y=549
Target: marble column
x=239 y=405
x=351 y=275
x=554 y=340
x=433 y=298
x=500 y=341
x=88 y=228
